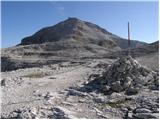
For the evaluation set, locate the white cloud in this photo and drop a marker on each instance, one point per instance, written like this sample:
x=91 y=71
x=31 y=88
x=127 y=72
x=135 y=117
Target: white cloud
x=59 y=8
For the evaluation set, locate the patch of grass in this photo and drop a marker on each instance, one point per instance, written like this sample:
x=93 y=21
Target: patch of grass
x=35 y=75
x=116 y=104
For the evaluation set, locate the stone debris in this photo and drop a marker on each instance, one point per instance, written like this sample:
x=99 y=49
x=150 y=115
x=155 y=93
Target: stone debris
x=124 y=90
x=74 y=92
x=22 y=113
x=132 y=91
x=142 y=110
x=37 y=93
x=100 y=99
x=100 y=113
x=59 y=114
x=129 y=115
x=146 y=116
x=115 y=97
x=40 y=112
x=62 y=113
x=3 y=82
x=49 y=96
x=147 y=108
x=126 y=74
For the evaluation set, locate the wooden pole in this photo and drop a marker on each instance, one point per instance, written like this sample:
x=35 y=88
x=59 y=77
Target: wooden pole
x=129 y=42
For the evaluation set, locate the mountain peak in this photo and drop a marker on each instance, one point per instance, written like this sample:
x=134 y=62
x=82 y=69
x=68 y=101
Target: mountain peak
x=74 y=29
x=71 y=28
x=73 y=19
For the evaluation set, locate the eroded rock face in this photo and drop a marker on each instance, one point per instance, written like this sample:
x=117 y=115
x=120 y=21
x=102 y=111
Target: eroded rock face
x=126 y=74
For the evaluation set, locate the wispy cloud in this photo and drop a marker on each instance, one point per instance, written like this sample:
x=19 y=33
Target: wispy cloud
x=59 y=8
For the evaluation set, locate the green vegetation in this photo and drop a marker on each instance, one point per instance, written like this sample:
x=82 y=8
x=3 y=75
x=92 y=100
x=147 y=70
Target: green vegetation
x=35 y=75
x=116 y=104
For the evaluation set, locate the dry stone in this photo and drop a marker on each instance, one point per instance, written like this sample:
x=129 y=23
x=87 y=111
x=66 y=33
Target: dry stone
x=146 y=116
x=142 y=110
x=116 y=86
x=126 y=74
x=3 y=82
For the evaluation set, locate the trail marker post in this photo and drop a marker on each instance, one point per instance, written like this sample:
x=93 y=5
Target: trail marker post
x=129 y=42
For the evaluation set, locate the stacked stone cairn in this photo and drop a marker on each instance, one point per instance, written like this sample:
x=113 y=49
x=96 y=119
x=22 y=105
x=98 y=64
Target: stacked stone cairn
x=127 y=75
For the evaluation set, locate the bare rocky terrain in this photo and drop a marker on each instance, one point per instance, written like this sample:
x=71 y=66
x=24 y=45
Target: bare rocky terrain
x=72 y=90
x=77 y=69
x=69 y=39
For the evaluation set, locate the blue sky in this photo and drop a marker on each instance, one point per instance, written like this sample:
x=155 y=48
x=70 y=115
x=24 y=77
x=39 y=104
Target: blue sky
x=21 y=19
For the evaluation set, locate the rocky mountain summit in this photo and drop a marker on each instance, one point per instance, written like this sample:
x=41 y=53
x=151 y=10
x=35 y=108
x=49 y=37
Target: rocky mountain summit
x=80 y=31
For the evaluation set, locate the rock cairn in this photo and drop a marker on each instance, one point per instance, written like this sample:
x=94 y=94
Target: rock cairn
x=126 y=74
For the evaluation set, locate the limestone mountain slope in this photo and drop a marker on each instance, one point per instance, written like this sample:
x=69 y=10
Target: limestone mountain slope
x=143 y=50
x=78 y=30
x=68 y=40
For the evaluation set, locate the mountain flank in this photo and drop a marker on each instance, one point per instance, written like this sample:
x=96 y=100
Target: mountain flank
x=68 y=40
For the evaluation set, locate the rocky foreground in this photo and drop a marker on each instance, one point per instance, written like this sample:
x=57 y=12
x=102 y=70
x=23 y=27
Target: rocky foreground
x=100 y=88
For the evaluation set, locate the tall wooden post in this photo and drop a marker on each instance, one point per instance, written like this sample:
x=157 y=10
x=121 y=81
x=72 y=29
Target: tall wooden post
x=129 y=42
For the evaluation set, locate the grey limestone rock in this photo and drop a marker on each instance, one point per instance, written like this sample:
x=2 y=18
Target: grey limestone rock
x=126 y=74
x=142 y=110
x=116 y=86
x=146 y=115
x=3 y=82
